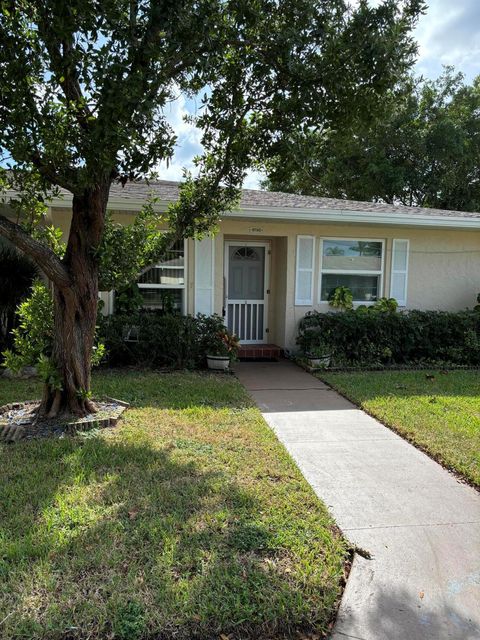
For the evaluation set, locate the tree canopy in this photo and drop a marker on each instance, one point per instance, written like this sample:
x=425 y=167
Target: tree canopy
x=85 y=89
x=422 y=151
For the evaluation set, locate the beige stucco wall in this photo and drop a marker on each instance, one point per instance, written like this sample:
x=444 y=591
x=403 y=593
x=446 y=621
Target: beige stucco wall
x=444 y=265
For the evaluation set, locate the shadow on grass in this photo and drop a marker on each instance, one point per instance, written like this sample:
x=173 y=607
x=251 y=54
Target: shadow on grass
x=105 y=537
x=146 y=388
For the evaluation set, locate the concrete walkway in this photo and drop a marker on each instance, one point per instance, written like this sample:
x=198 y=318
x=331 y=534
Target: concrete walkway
x=421 y=526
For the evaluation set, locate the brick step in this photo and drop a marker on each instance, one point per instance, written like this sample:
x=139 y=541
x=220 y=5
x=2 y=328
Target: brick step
x=259 y=352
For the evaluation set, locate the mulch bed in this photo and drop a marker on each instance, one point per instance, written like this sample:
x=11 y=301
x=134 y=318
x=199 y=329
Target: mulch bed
x=17 y=420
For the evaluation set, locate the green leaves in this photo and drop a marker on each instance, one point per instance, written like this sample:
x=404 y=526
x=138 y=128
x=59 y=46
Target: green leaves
x=128 y=248
x=421 y=151
x=100 y=78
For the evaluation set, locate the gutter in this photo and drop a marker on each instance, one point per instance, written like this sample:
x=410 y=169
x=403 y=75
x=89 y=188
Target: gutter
x=303 y=215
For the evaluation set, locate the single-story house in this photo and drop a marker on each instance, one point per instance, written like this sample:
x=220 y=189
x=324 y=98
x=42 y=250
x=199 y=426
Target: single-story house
x=280 y=255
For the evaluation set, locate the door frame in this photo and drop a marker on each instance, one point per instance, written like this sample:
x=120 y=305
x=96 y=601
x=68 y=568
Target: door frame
x=266 y=281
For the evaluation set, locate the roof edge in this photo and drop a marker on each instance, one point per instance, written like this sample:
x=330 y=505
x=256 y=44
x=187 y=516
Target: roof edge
x=301 y=214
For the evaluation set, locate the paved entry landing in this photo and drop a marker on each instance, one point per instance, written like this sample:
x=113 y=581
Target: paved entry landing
x=421 y=525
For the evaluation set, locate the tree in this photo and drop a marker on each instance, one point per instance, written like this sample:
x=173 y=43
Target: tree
x=85 y=88
x=422 y=151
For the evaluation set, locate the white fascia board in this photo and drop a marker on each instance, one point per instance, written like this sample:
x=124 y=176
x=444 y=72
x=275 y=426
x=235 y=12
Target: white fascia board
x=340 y=215
x=293 y=215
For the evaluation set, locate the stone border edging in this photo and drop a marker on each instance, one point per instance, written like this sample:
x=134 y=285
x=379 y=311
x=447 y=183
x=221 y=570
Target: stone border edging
x=10 y=433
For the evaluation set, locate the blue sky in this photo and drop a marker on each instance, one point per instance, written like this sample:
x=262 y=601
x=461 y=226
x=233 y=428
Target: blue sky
x=448 y=34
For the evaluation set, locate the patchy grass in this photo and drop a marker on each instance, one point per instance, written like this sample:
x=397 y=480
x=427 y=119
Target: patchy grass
x=437 y=410
x=189 y=520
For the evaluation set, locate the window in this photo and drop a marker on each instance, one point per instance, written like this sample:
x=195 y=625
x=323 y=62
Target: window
x=356 y=264
x=246 y=253
x=163 y=285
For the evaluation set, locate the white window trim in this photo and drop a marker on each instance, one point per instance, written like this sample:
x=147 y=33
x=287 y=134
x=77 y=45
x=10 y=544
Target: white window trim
x=146 y=285
x=301 y=302
x=350 y=272
x=401 y=303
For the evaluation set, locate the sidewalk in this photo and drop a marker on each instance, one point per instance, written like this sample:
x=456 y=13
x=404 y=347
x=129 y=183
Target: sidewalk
x=421 y=525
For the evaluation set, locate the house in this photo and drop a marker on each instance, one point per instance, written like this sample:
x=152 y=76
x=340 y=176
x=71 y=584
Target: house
x=280 y=255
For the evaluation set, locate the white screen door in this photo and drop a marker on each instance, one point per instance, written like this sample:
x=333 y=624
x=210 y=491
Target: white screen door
x=245 y=284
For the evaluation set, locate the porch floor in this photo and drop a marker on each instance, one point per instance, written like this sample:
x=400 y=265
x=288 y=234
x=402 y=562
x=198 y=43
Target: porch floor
x=259 y=352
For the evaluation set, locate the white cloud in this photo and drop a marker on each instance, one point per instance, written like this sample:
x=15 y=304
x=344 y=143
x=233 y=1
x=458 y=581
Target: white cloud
x=252 y=179
x=189 y=145
x=449 y=34
x=188 y=141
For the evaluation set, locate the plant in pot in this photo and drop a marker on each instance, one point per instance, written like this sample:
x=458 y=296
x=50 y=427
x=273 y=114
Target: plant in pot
x=222 y=350
x=319 y=356
x=341 y=298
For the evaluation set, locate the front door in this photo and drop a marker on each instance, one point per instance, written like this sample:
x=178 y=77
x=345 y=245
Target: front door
x=245 y=287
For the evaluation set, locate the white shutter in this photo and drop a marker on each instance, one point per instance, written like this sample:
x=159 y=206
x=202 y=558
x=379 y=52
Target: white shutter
x=204 y=275
x=304 y=270
x=399 y=275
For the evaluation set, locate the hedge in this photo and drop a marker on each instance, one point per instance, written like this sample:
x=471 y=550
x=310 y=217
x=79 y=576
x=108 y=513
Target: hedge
x=153 y=339
x=364 y=337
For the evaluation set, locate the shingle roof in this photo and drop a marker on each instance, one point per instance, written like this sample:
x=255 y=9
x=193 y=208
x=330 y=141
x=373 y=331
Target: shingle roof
x=167 y=190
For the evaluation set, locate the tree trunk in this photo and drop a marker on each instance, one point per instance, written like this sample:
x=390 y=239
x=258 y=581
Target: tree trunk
x=75 y=308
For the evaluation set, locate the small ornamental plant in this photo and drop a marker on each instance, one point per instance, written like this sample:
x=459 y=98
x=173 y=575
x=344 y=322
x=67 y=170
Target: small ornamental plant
x=224 y=344
x=341 y=298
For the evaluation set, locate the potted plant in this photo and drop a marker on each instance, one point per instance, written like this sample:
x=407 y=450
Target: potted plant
x=341 y=298
x=222 y=350
x=319 y=357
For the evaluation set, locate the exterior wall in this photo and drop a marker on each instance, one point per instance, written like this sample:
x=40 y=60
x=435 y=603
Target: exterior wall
x=443 y=273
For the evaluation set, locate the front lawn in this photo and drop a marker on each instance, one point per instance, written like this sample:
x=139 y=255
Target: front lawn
x=189 y=520
x=437 y=410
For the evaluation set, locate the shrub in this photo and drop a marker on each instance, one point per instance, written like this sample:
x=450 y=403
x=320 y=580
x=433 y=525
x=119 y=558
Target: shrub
x=33 y=337
x=151 y=338
x=373 y=337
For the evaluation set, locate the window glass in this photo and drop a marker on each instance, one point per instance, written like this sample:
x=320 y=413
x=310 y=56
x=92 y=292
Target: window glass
x=363 y=288
x=165 y=299
x=159 y=275
x=352 y=255
x=162 y=285
x=175 y=257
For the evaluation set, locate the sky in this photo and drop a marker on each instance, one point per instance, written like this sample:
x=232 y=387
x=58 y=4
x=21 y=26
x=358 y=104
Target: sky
x=448 y=34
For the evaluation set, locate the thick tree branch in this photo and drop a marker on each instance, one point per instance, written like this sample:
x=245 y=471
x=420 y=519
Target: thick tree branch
x=61 y=51
x=46 y=259
x=67 y=178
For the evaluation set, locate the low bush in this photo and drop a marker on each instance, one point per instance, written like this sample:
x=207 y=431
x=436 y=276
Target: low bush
x=150 y=338
x=32 y=338
x=372 y=337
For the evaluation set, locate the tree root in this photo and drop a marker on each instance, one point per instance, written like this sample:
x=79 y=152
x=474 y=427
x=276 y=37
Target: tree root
x=54 y=409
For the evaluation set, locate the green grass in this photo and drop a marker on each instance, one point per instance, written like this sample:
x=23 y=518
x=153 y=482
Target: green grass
x=441 y=414
x=189 y=520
